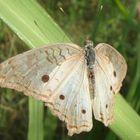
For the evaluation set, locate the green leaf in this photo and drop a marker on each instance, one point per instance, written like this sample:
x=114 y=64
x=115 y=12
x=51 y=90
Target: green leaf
x=126 y=122
x=31 y=23
x=35 y=126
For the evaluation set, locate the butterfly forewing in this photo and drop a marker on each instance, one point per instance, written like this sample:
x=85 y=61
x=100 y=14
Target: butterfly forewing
x=118 y=69
x=29 y=71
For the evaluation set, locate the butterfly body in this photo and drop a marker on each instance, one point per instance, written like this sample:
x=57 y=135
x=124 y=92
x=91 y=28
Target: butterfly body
x=71 y=81
x=89 y=54
x=90 y=60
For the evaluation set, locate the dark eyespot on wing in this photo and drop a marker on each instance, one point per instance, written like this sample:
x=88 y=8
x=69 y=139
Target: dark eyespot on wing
x=62 y=97
x=114 y=73
x=45 y=78
x=111 y=88
x=83 y=111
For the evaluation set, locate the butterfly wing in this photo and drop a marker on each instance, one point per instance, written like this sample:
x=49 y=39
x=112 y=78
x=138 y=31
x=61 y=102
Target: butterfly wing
x=70 y=98
x=109 y=70
x=57 y=75
x=29 y=71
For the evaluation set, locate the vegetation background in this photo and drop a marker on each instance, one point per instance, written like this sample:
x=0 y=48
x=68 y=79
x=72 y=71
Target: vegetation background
x=115 y=22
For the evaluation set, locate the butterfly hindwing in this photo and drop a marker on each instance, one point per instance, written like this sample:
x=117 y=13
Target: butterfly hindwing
x=70 y=101
x=109 y=70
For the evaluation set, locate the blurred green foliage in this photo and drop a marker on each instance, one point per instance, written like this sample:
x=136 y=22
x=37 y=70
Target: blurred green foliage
x=113 y=21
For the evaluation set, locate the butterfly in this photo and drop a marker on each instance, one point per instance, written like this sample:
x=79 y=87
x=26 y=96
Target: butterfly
x=73 y=82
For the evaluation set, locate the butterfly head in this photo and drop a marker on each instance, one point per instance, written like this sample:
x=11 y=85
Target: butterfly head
x=88 y=44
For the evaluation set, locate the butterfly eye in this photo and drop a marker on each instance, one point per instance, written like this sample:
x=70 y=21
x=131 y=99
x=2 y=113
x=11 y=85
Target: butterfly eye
x=45 y=78
x=106 y=106
x=83 y=111
x=62 y=97
x=114 y=73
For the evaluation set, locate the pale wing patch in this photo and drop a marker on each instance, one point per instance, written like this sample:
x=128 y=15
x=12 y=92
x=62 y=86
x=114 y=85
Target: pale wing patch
x=70 y=99
x=29 y=71
x=110 y=70
x=103 y=96
x=119 y=66
x=58 y=76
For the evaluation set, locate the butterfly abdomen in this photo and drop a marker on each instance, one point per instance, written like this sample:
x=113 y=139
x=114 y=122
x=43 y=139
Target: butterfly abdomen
x=91 y=78
x=90 y=60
